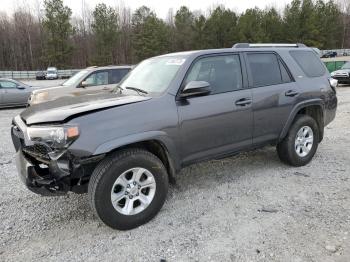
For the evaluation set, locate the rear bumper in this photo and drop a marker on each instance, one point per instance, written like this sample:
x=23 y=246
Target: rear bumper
x=330 y=108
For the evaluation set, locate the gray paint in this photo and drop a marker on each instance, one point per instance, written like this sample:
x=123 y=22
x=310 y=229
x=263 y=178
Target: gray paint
x=196 y=128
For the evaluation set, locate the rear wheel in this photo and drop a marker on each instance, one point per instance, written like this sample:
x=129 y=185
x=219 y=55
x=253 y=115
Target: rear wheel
x=301 y=142
x=128 y=188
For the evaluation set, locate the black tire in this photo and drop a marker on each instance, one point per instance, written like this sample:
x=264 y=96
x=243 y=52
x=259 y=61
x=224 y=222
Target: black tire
x=107 y=172
x=286 y=148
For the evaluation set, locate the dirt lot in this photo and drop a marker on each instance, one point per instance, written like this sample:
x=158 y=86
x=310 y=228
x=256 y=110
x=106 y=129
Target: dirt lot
x=249 y=207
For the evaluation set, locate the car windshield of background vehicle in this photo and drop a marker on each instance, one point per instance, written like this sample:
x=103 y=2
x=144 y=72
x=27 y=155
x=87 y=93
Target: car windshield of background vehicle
x=346 y=66
x=74 y=79
x=154 y=75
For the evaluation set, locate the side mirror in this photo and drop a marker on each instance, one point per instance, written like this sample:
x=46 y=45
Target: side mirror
x=196 y=88
x=83 y=84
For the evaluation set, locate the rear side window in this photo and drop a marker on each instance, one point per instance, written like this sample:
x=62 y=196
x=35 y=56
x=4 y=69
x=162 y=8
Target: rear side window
x=309 y=63
x=266 y=69
x=116 y=75
x=222 y=72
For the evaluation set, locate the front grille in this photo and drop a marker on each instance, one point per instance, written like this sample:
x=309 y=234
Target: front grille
x=39 y=152
x=341 y=74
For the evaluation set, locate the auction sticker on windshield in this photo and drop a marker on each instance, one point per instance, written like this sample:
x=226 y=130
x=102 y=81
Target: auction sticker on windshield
x=175 y=61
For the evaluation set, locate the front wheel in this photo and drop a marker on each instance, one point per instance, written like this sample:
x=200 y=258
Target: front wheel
x=128 y=188
x=301 y=142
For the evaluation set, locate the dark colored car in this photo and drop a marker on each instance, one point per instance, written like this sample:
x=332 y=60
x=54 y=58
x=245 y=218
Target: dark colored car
x=329 y=54
x=40 y=75
x=171 y=111
x=13 y=93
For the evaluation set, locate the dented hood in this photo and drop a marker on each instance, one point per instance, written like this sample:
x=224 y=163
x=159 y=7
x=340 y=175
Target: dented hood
x=66 y=107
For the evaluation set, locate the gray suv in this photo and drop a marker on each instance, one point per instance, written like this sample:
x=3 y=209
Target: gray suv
x=171 y=111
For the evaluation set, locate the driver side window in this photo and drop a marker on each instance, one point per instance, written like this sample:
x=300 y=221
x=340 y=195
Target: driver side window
x=222 y=72
x=97 y=78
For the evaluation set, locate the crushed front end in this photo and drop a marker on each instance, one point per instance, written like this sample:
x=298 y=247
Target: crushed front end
x=44 y=161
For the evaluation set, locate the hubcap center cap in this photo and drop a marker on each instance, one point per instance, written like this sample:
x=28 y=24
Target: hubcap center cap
x=133 y=190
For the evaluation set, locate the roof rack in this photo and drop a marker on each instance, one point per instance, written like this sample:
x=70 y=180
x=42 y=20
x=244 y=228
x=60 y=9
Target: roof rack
x=247 y=45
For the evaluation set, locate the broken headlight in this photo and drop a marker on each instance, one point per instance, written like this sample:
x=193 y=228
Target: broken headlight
x=54 y=136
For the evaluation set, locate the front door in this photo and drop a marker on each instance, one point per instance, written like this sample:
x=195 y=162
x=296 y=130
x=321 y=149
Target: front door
x=220 y=122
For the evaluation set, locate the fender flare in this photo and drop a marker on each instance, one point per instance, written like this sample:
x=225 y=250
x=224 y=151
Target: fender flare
x=313 y=102
x=159 y=136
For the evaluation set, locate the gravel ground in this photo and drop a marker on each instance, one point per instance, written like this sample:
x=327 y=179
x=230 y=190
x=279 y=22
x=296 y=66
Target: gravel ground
x=250 y=207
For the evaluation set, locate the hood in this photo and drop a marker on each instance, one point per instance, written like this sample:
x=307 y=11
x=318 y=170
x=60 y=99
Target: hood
x=66 y=107
x=341 y=71
x=45 y=89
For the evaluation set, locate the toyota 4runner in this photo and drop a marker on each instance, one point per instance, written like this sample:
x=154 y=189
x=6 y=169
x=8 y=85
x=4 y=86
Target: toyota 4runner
x=124 y=147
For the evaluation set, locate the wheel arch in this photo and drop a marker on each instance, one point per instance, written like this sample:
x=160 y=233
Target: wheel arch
x=156 y=142
x=313 y=108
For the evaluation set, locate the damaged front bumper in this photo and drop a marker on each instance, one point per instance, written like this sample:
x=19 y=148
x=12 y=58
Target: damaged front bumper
x=48 y=172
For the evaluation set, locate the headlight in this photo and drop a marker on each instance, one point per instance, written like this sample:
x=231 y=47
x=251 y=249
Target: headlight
x=332 y=74
x=39 y=97
x=54 y=136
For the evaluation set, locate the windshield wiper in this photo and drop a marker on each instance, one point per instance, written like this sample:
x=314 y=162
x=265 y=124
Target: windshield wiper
x=138 y=90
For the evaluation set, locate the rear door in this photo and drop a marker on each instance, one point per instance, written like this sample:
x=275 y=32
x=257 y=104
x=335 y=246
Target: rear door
x=274 y=94
x=116 y=75
x=220 y=122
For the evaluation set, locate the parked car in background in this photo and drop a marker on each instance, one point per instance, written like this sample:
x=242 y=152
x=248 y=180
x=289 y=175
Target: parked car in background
x=13 y=93
x=40 y=75
x=329 y=54
x=172 y=111
x=317 y=51
x=343 y=74
x=51 y=73
x=88 y=81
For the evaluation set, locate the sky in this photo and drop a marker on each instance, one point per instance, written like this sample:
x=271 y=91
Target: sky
x=161 y=7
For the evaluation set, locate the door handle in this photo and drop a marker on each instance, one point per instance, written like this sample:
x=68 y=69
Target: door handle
x=243 y=102
x=105 y=88
x=291 y=93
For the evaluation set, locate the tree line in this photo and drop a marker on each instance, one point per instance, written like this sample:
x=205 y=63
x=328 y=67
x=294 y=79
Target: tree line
x=107 y=35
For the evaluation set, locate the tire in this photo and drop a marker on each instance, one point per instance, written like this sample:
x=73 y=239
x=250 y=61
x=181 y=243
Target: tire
x=287 y=148
x=113 y=169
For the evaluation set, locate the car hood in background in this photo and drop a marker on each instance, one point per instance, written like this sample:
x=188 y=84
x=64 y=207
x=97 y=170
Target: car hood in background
x=44 y=89
x=66 y=107
x=342 y=71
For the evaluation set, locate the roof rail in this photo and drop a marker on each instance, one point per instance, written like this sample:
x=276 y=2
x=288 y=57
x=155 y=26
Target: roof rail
x=247 y=45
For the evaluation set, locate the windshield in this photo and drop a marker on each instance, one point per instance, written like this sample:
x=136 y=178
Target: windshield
x=346 y=65
x=74 y=79
x=155 y=74
x=51 y=72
